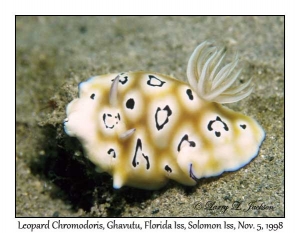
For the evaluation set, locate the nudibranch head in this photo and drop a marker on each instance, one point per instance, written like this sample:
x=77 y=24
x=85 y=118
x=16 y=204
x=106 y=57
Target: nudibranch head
x=145 y=128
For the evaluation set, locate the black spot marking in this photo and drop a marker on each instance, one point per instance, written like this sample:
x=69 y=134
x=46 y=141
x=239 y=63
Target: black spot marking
x=243 y=126
x=185 y=138
x=192 y=174
x=210 y=128
x=130 y=103
x=168 y=169
x=137 y=148
x=92 y=96
x=155 y=82
x=112 y=151
x=106 y=118
x=122 y=80
x=190 y=94
x=169 y=113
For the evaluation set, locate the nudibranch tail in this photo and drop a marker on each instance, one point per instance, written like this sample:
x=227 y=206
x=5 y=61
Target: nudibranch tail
x=211 y=81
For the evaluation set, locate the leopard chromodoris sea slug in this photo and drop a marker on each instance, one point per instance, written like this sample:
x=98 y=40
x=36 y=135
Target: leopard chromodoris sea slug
x=145 y=128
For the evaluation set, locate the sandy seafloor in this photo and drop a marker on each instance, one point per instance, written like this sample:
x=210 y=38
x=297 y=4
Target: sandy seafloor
x=55 y=53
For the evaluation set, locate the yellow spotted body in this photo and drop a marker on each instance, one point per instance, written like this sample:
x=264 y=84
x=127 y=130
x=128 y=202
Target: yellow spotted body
x=150 y=128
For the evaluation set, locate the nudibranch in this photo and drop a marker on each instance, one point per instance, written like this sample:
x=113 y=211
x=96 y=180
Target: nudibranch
x=145 y=128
